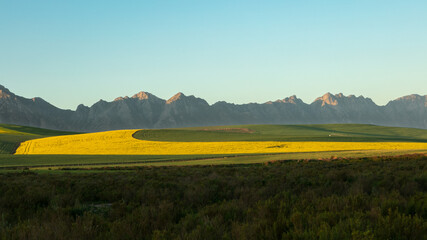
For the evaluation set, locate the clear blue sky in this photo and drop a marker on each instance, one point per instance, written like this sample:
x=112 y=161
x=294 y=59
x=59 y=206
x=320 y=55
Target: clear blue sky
x=71 y=52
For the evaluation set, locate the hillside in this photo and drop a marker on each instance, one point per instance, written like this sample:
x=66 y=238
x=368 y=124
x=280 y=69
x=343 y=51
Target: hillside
x=240 y=144
x=145 y=110
x=248 y=139
x=319 y=132
x=12 y=135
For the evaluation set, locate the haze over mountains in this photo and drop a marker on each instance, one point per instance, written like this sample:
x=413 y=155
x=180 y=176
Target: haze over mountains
x=145 y=110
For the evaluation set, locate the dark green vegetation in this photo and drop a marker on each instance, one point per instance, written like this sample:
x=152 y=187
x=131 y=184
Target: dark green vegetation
x=11 y=162
x=324 y=132
x=375 y=198
x=12 y=135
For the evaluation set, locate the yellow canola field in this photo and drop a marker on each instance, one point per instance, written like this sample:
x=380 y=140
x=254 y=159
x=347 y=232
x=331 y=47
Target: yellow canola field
x=121 y=142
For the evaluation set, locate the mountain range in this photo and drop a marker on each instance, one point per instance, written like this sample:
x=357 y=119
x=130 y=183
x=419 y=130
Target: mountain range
x=145 y=110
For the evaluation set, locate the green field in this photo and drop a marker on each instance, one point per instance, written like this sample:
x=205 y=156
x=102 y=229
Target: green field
x=12 y=135
x=100 y=161
x=322 y=132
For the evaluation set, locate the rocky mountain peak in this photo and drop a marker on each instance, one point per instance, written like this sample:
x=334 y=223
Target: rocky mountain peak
x=121 y=98
x=139 y=96
x=142 y=95
x=412 y=97
x=37 y=99
x=327 y=99
x=340 y=95
x=82 y=107
x=292 y=99
x=4 y=92
x=175 y=98
x=339 y=99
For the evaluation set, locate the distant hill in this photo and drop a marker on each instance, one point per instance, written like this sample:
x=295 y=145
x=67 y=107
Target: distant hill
x=144 y=110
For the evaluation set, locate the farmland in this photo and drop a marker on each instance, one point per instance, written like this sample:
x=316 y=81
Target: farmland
x=122 y=142
x=12 y=135
x=236 y=182
x=287 y=133
x=205 y=146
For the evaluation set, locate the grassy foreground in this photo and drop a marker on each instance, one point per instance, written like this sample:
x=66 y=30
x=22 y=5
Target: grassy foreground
x=348 y=194
x=378 y=198
x=8 y=162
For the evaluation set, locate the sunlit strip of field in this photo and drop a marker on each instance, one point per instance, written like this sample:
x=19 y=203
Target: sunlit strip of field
x=121 y=142
x=93 y=161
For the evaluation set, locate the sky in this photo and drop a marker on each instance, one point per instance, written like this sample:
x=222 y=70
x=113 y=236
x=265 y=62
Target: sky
x=72 y=52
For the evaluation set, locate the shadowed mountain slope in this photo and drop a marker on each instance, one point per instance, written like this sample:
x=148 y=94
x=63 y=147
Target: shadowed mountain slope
x=144 y=110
